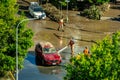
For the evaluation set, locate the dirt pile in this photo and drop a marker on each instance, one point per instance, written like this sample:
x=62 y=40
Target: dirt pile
x=52 y=12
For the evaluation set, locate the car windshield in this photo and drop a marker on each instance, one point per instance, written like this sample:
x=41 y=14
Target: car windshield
x=49 y=50
x=37 y=9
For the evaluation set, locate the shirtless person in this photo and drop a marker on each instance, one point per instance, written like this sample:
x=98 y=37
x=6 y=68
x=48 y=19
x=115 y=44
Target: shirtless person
x=61 y=22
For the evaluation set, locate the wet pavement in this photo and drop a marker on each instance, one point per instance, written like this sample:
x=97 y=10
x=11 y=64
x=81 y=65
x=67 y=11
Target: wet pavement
x=85 y=32
x=31 y=71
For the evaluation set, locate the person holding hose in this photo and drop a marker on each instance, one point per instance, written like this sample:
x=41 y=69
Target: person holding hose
x=71 y=43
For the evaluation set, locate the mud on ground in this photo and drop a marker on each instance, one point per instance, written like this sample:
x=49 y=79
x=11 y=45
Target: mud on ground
x=84 y=30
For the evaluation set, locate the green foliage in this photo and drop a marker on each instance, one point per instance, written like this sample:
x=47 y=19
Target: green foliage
x=85 y=4
x=58 y=3
x=8 y=23
x=93 y=12
x=103 y=64
x=96 y=2
x=8 y=62
x=63 y=3
x=73 y=4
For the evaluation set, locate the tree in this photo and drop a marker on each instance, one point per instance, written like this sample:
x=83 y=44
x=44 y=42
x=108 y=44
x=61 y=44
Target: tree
x=103 y=64
x=85 y=4
x=96 y=2
x=58 y=3
x=8 y=24
x=93 y=12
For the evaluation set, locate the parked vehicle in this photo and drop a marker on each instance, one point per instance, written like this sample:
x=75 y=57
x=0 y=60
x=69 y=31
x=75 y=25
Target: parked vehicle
x=36 y=11
x=46 y=54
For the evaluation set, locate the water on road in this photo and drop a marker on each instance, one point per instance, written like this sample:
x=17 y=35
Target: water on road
x=85 y=32
x=31 y=71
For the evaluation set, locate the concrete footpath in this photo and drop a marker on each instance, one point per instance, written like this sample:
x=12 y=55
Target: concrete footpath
x=9 y=76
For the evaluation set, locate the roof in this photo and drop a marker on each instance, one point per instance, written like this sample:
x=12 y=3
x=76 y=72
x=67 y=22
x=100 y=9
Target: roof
x=46 y=44
x=35 y=4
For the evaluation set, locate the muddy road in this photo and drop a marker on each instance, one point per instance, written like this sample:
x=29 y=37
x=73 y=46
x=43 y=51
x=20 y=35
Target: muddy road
x=86 y=32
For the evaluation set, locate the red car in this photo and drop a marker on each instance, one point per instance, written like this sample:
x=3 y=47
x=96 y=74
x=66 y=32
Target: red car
x=46 y=54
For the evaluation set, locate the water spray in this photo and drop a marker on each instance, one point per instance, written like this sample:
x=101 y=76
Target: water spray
x=62 y=49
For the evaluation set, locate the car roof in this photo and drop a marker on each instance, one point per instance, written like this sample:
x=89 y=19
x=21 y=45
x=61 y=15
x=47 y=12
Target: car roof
x=44 y=44
x=35 y=4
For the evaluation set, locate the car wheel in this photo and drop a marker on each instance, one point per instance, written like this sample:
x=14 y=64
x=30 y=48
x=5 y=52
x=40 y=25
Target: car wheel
x=37 y=60
x=33 y=16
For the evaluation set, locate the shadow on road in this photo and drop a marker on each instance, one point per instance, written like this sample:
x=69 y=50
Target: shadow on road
x=116 y=18
x=84 y=30
x=58 y=36
x=50 y=28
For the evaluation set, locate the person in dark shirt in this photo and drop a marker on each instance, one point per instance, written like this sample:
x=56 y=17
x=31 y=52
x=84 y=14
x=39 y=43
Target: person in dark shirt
x=71 y=43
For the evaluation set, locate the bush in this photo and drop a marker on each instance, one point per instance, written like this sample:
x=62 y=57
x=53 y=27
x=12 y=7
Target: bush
x=103 y=64
x=105 y=7
x=93 y=13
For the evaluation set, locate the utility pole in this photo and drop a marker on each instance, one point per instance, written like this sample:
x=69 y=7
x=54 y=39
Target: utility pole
x=17 y=69
x=67 y=11
x=60 y=2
